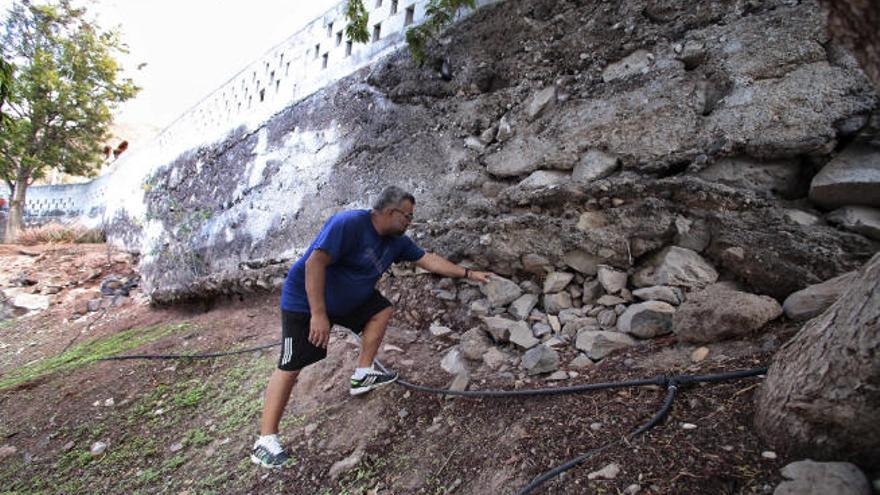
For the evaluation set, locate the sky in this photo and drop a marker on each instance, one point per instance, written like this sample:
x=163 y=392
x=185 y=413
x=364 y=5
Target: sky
x=191 y=47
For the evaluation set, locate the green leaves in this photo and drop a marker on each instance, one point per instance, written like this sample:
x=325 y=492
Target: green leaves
x=358 y=20
x=67 y=84
x=440 y=13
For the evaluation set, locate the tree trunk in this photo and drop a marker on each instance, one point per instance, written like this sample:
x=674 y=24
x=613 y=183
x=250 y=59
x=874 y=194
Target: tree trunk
x=821 y=398
x=15 y=219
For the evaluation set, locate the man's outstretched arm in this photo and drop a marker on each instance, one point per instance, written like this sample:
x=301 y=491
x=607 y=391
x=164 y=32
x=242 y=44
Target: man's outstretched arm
x=441 y=266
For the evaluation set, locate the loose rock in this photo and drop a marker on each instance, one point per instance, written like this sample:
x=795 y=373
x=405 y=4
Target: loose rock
x=819 y=478
x=647 y=320
x=719 y=313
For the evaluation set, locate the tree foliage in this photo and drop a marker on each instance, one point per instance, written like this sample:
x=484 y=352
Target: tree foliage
x=438 y=13
x=7 y=70
x=358 y=20
x=66 y=86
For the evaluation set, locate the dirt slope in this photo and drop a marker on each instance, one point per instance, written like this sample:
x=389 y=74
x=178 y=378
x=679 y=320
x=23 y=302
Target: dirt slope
x=186 y=426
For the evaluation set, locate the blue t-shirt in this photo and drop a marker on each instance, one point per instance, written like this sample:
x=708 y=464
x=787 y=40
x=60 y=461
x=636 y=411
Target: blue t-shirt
x=358 y=257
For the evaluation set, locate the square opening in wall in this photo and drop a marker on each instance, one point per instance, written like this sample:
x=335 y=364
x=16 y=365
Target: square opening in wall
x=348 y=48
x=377 y=32
x=325 y=57
x=378 y=3
x=339 y=38
x=410 y=15
x=393 y=7
x=329 y=29
x=317 y=49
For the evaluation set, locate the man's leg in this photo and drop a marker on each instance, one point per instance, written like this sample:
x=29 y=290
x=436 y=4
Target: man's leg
x=374 y=332
x=277 y=395
x=365 y=378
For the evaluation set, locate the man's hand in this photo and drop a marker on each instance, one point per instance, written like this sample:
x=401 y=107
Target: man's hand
x=481 y=277
x=319 y=330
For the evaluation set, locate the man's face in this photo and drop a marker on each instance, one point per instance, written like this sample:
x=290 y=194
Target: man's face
x=401 y=217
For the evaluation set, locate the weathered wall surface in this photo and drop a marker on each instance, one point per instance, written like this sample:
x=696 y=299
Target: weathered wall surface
x=566 y=134
x=315 y=57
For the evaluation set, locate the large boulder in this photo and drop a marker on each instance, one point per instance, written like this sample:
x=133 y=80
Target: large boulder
x=812 y=301
x=647 y=320
x=598 y=344
x=851 y=178
x=676 y=266
x=818 y=399
x=719 y=312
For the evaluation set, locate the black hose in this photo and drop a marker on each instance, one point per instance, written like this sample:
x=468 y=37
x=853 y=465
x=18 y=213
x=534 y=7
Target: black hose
x=672 y=388
x=672 y=384
x=658 y=416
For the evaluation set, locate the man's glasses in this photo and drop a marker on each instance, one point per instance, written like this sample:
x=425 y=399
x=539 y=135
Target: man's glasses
x=408 y=216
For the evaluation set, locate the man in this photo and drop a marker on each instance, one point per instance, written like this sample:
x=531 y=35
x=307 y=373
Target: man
x=334 y=282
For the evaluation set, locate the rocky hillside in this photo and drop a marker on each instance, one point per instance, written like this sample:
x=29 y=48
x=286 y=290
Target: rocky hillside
x=555 y=135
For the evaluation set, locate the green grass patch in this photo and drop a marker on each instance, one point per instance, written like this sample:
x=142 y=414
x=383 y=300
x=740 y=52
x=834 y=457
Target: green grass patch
x=89 y=352
x=7 y=324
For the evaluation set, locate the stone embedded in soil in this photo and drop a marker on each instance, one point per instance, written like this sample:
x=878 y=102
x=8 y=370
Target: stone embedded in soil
x=439 y=331
x=474 y=343
x=98 y=448
x=346 y=464
x=580 y=362
x=599 y=344
x=769 y=454
x=6 y=451
x=557 y=376
x=608 y=472
x=540 y=359
x=453 y=362
x=699 y=354
x=647 y=320
x=494 y=358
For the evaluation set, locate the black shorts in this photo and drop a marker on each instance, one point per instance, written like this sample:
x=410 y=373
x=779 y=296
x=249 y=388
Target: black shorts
x=296 y=350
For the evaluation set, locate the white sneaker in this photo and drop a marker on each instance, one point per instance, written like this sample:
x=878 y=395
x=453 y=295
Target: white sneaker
x=268 y=453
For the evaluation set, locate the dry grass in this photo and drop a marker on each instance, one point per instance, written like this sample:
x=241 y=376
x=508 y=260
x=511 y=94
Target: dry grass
x=60 y=234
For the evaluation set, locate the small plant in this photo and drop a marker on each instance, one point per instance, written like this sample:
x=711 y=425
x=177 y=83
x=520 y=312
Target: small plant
x=439 y=14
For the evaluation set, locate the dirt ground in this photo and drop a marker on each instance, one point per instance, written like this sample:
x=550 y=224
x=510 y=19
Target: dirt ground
x=186 y=426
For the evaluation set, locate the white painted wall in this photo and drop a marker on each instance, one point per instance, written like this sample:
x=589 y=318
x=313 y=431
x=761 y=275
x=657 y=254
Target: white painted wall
x=279 y=78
